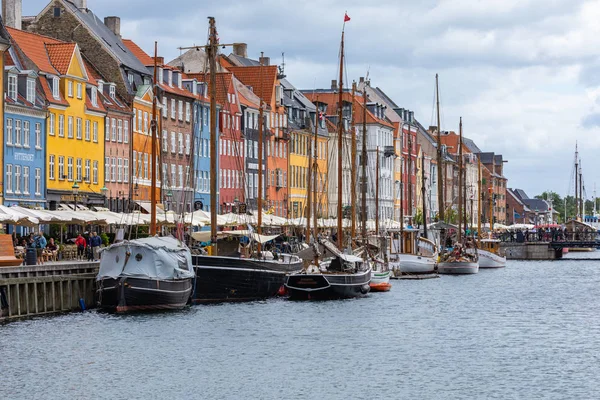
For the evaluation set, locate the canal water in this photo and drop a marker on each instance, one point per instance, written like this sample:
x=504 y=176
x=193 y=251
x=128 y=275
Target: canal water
x=529 y=331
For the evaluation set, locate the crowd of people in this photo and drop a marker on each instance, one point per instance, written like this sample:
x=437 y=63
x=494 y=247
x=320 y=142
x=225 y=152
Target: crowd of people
x=88 y=246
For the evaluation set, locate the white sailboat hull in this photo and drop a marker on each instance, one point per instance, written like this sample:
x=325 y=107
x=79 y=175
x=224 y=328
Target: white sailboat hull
x=458 y=268
x=488 y=259
x=414 y=264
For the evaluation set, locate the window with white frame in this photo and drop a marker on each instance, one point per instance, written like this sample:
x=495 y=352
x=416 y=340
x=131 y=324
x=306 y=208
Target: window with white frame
x=113 y=169
x=140 y=126
x=134 y=120
x=25 y=180
x=173 y=110
x=78 y=170
x=61 y=168
x=9 y=131
x=70 y=168
x=9 y=181
x=95 y=172
x=134 y=171
x=119 y=170
x=173 y=143
x=107 y=169
x=12 y=86
x=145 y=165
x=125 y=131
x=205 y=115
x=145 y=122
x=61 y=126
x=51 y=118
x=26 y=134
x=70 y=128
x=187 y=144
x=88 y=134
x=119 y=131
x=87 y=171
x=165 y=141
x=31 y=90
x=78 y=121
x=107 y=130
x=55 y=88
x=38 y=136
x=78 y=90
x=95 y=132
x=125 y=170
x=70 y=88
x=180 y=171
x=187 y=112
x=17 y=132
x=180 y=142
x=113 y=130
x=17 y=179
x=38 y=181
x=94 y=92
x=165 y=109
x=51 y=167
x=111 y=91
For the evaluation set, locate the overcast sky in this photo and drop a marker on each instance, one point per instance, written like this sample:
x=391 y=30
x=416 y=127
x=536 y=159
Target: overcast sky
x=523 y=74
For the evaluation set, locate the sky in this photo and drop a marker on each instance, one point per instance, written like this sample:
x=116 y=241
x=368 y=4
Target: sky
x=523 y=74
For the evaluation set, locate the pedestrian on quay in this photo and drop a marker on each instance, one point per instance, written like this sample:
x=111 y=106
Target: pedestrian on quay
x=96 y=242
x=80 y=243
x=88 y=250
x=40 y=245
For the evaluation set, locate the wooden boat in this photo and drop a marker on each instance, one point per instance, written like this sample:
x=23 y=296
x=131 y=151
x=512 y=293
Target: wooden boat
x=411 y=254
x=489 y=254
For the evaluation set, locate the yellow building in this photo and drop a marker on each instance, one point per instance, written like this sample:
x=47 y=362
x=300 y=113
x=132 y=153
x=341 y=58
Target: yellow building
x=76 y=120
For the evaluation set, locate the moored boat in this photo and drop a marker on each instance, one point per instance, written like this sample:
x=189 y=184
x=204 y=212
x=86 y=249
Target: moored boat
x=380 y=281
x=148 y=274
x=411 y=254
x=489 y=254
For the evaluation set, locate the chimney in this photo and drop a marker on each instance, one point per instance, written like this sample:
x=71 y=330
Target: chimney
x=412 y=116
x=160 y=61
x=264 y=60
x=81 y=4
x=12 y=13
x=334 y=84
x=240 y=49
x=361 y=79
x=114 y=24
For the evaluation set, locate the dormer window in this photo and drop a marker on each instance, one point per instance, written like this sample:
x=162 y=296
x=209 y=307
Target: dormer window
x=146 y=80
x=160 y=75
x=170 y=78
x=12 y=87
x=112 y=91
x=31 y=90
x=130 y=78
x=101 y=86
x=194 y=88
x=55 y=91
x=94 y=97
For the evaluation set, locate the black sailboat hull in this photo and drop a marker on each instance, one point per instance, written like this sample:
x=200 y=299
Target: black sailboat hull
x=327 y=286
x=224 y=279
x=129 y=294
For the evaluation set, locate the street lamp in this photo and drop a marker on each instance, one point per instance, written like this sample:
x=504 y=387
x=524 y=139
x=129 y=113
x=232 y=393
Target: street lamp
x=75 y=189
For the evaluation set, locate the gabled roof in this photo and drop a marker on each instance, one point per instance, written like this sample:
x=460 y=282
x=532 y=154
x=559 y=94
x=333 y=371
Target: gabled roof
x=34 y=48
x=116 y=104
x=471 y=145
x=140 y=54
x=60 y=55
x=247 y=97
x=4 y=38
x=261 y=79
x=486 y=158
x=520 y=193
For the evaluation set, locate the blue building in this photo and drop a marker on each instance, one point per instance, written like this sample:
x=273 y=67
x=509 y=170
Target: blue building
x=24 y=139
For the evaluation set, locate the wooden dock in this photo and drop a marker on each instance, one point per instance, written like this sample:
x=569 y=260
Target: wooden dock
x=27 y=291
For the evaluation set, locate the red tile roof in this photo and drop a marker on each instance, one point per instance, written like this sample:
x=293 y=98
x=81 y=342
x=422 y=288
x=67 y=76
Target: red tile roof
x=224 y=86
x=60 y=55
x=48 y=93
x=138 y=52
x=34 y=47
x=331 y=99
x=262 y=79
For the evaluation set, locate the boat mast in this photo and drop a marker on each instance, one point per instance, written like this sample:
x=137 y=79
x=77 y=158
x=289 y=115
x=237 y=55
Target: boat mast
x=259 y=205
x=582 y=208
x=340 y=232
x=310 y=172
x=423 y=179
x=460 y=182
x=402 y=186
x=353 y=170
x=315 y=170
x=153 y=149
x=377 y=193
x=211 y=51
x=576 y=188
x=409 y=183
x=479 y=194
x=363 y=186
x=440 y=183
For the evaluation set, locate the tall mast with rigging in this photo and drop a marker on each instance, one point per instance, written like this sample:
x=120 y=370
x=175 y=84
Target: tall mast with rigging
x=576 y=187
x=259 y=205
x=363 y=181
x=377 y=193
x=309 y=199
x=153 y=149
x=423 y=179
x=440 y=183
x=340 y=232
x=479 y=195
x=211 y=51
x=315 y=170
x=460 y=182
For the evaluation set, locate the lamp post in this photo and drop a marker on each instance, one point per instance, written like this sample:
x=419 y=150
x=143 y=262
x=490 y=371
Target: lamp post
x=75 y=189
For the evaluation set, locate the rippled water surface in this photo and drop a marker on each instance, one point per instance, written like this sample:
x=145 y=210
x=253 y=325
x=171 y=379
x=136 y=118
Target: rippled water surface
x=528 y=331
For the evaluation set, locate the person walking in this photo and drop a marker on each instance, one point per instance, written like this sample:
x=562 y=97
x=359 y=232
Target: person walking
x=96 y=242
x=80 y=243
x=40 y=244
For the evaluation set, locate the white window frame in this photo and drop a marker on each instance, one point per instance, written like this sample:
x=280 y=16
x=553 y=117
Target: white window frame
x=70 y=127
x=38 y=136
x=165 y=141
x=119 y=131
x=107 y=169
x=8 y=187
x=61 y=168
x=113 y=130
x=119 y=170
x=187 y=112
x=55 y=87
x=180 y=142
x=78 y=170
x=70 y=169
x=17 y=179
x=78 y=131
x=17 y=133
x=87 y=170
x=61 y=125
x=173 y=143
x=173 y=109
x=25 y=179
x=187 y=144
x=79 y=94
x=94 y=93
x=125 y=131
x=95 y=132
x=125 y=170
x=51 y=161
x=31 y=90
x=95 y=172
x=165 y=109
x=26 y=134
x=38 y=181
x=12 y=86
x=88 y=135
x=70 y=88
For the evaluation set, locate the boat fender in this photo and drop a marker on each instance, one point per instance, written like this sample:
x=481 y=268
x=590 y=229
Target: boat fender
x=364 y=289
x=82 y=304
x=282 y=291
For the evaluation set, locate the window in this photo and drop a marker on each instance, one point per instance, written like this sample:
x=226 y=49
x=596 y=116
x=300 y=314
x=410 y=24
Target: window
x=25 y=180
x=172 y=108
x=125 y=170
x=120 y=131
x=87 y=130
x=107 y=130
x=61 y=168
x=173 y=177
x=17 y=132
x=205 y=115
x=113 y=169
x=87 y=171
x=95 y=132
x=78 y=90
x=187 y=112
x=114 y=130
x=134 y=120
x=180 y=142
x=119 y=170
x=94 y=96
x=78 y=128
x=70 y=168
x=17 y=179
x=51 y=124
x=31 y=90
x=70 y=88
x=140 y=121
x=130 y=78
x=51 y=167
x=126 y=131
x=38 y=182
x=165 y=110
x=173 y=143
x=78 y=171
x=107 y=169
x=26 y=134
x=70 y=128
x=12 y=87
x=180 y=171
x=9 y=182
x=61 y=126
x=9 y=131
x=145 y=122
x=111 y=91
x=145 y=165
x=165 y=141
x=187 y=144
x=95 y=172
x=134 y=166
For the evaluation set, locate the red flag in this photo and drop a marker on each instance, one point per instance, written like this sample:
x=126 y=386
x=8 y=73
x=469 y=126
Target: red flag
x=346 y=17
